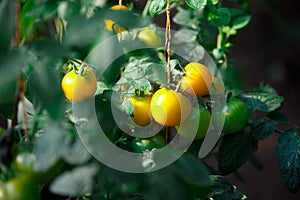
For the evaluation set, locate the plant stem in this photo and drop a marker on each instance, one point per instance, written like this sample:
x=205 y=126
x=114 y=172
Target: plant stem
x=146 y=9
x=168 y=41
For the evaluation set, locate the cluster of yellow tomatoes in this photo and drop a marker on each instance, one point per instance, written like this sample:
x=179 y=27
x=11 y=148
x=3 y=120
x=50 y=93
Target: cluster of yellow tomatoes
x=165 y=106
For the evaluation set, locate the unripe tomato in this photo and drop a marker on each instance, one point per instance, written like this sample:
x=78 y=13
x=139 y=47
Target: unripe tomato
x=77 y=87
x=20 y=188
x=169 y=108
x=202 y=122
x=150 y=38
x=24 y=164
x=110 y=24
x=141 y=110
x=139 y=145
x=197 y=79
x=236 y=116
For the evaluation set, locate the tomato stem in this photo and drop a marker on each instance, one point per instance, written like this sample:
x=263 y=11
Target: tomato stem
x=18 y=24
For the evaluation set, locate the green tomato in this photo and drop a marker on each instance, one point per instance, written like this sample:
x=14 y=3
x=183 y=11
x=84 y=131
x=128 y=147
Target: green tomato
x=22 y=187
x=24 y=164
x=236 y=116
x=139 y=145
x=203 y=124
x=150 y=37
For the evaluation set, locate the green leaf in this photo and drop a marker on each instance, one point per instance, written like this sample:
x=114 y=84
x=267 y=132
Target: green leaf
x=220 y=17
x=278 y=118
x=7 y=24
x=261 y=130
x=50 y=145
x=156 y=72
x=187 y=34
x=45 y=89
x=263 y=102
x=157 y=6
x=192 y=170
x=288 y=156
x=11 y=66
x=183 y=17
x=241 y=22
x=196 y=4
x=77 y=182
x=234 y=151
x=223 y=189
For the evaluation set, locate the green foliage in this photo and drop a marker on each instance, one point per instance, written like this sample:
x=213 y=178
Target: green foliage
x=287 y=153
x=235 y=149
x=57 y=33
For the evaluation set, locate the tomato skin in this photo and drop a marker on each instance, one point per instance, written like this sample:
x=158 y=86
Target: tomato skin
x=236 y=116
x=203 y=123
x=20 y=188
x=141 y=110
x=169 y=108
x=24 y=164
x=110 y=24
x=139 y=145
x=150 y=38
x=197 y=79
x=78 y=87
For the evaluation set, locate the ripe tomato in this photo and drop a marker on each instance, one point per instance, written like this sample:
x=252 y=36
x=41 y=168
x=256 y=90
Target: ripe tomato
x=169 y=108
x=139 y=145
x=20 y=188
x=110 y=24
x=236 y=116
x=150 y=38
x=77 y=87
x=197 y=79
x=202 y=122
x=24 y=164
x=141 y=110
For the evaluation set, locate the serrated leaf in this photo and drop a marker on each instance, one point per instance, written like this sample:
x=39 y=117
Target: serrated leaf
x=263 y=102
x=50 y=145
x=156 y=73
x=234 y=151
x=196 y=4
x=261 y=130
x=288 y=156
x=241 y=22
x=74 y=183
x=7 y=24
x=157 y=6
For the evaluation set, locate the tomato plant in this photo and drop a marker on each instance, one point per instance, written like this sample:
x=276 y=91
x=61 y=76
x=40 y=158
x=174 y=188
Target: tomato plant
x=139 y=145
x=77 y=87
x=202 y=119
x=169 y=108
x=150 y=38
x=187 y=77
x=141 y=110
x=236 y=116
x=197 y=79
x=21 y=188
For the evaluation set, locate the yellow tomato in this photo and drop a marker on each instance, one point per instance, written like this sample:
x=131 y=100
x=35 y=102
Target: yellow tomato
x=169 y=108
x=197 y=79
x=110 y=24
x=141 y=110
x=77 y=87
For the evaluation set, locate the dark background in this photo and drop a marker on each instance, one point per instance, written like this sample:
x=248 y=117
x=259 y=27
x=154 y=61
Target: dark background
x=268 y=51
